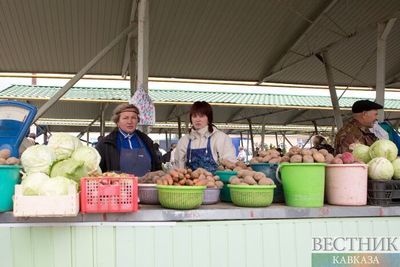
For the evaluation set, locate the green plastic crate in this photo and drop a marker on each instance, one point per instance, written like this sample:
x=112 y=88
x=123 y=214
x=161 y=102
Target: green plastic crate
x=180 y=197
x=252 y=195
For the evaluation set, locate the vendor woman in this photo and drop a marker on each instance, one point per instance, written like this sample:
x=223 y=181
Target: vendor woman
x=127 y=149
x=205 y=145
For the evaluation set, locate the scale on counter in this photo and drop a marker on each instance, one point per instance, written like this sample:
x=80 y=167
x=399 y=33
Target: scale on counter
x=15 y=120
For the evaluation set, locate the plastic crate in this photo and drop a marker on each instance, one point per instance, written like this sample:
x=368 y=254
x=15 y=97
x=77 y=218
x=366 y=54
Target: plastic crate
x=46 y=206
x=384 y=192
x=109 y=194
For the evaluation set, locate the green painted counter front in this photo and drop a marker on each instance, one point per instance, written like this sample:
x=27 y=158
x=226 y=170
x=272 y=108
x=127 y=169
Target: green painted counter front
x=211 y=243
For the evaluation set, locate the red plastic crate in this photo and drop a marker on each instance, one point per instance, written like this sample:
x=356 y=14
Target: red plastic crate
x=109 y=194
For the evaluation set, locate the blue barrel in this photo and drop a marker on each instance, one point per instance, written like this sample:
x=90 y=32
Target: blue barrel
x=9 y=177
x=269 y=169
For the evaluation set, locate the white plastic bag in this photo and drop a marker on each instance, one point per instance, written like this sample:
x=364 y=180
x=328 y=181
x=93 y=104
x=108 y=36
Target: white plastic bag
x=143 y=102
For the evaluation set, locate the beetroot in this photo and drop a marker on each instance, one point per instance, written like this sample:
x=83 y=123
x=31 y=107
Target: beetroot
x=347 y=158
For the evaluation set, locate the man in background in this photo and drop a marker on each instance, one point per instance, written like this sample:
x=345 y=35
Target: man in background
x=357 y=130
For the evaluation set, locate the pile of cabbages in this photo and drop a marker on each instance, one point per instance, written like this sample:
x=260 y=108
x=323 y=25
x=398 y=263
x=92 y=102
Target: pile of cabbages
x=381 y=157
x=51 y=169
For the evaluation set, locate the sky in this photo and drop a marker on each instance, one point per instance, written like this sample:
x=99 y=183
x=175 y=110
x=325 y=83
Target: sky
x=6 y=82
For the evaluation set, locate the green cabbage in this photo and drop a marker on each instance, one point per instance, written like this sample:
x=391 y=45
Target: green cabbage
x=31 y=183
x=383 y=148
x=69 y=168
x=396 y=167
x=89 y=156
x=361 y=152
x=56 y=186
x=64 y=145
x=380 y=169
x=38 y=158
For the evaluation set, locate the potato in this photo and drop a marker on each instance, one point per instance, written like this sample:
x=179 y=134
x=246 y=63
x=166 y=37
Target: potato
x=313 y=150
x=243 y=183
x=285 y=159
x=308 y=159
x=249 y=180
x=237 y=168
x=254 y=160
x=275 y=160
x=296 y=159
x=5 y=153
x=201 y=182
x=294 y=150
x=262 y=153
x=258 y=176
x=318 y=157
x=12 y=161
x=265 y=181
x=329 y=157
x=305 y=152
x=323 y=152
x=244 y=173
x=219 y=184
x=235 y=181
x=220 y=168
x=337 y=161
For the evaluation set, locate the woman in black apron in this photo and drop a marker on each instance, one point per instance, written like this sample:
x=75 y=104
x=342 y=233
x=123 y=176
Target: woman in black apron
x=127 y=149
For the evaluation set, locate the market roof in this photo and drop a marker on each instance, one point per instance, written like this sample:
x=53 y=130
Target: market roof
x=174 y=96
x=229 y=108
x=270 y=41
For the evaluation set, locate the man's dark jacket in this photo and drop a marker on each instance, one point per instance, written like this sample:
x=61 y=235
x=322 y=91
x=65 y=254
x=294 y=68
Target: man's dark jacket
x=110 y=155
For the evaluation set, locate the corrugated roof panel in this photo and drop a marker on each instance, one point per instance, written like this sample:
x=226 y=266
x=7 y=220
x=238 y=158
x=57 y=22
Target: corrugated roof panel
x=165 y=96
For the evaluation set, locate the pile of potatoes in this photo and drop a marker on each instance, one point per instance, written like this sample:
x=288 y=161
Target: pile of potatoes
x=151 y=177
x=247 y=177
x=298 y=155
x=269 y=156
x=187 y=177
x=5 y=158
x=226 y=165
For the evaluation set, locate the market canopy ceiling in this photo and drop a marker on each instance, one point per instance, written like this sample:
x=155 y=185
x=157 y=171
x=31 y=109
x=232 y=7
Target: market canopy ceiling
x=253 y=40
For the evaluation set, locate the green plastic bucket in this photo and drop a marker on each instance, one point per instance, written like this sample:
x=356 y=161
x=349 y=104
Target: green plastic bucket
x=303 y=184
x=9 y=177
x=225 y=192
x=269 y=169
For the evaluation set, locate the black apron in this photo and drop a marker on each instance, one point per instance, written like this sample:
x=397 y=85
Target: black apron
x=135 y=161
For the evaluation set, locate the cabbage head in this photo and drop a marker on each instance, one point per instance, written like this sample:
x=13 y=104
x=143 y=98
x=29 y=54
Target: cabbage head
x=361 y=152
x=380 y=169
x=38 y=158
x=89 y=156
x=31 y=183
x=64 y=145
x=69 y=168
x=383 y=148
x=396 y=167
x=56 y=186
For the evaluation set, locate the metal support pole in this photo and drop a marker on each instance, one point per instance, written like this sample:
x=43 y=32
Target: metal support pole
x=87 y=127
x=315 y=127
x=143 y=44
x=332 y=90
x=88 y=136
x=241 y=139
x=82 y=72
x=102 y=118
x=284 y=136
x=384 y=29
x=166 y=141
x=251 y=135
x=179 y=128
x=263 y=132
x=276 y=139
x=308 y=140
